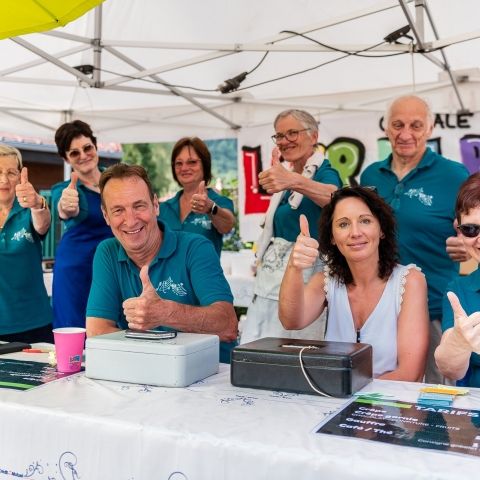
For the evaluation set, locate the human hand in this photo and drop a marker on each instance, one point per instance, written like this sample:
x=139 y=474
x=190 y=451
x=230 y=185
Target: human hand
x=26 y=195
x=200 y=202
x=277 y=178
x=467 y=326
x=70 y=201
x=455 y=247
x=305 y=250
x=142 y=312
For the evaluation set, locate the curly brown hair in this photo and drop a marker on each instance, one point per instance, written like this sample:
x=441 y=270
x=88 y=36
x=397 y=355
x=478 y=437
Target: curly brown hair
x=387 y=249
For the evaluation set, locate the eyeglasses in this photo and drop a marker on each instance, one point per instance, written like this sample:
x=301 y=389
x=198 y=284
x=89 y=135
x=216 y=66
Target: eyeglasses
x=357 y=188
x=189 y=163
x=289 y=135
x=10 y=174
x=75 y=153
x=470 y=230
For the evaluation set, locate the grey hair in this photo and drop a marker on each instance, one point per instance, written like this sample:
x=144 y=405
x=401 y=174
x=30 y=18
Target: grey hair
x=428 y=109
x=302 y=116
x=7 y=150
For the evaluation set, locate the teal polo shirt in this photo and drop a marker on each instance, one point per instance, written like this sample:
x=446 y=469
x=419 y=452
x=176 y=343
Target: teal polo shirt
x=24 y=303
x=467 y=289
x=286 y=220
x=424 y=206
x=194 y=222
x=186 y=270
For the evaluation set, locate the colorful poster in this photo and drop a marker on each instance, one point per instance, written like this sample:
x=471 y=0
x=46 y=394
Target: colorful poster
x=402 y=423
x=24 y=374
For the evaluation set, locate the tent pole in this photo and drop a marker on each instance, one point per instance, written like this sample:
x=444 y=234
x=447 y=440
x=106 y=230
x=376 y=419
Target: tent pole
x=421 y=44
x=97 y=47
x=176 y=91
x=445 y=60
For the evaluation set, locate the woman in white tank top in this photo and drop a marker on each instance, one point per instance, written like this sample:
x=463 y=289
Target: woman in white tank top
x=370 y=297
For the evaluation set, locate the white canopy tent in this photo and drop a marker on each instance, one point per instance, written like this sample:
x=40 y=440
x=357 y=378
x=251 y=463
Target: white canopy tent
x=138 y=56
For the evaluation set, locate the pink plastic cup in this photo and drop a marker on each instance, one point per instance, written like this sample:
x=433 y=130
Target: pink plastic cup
x=69 y=342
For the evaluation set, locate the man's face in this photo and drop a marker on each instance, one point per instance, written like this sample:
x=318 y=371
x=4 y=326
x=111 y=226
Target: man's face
x=131 y=214
x=409 y=128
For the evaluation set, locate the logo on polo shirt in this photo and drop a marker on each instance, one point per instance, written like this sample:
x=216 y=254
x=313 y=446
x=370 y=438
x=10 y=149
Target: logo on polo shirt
x=202 y=222
x=169 y=285
x=17 y=236
x=422 y=197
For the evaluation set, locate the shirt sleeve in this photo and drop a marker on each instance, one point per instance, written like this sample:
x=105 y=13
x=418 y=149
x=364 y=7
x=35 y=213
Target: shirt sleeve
x=327 y=174
x=105 y=299
x=206 y=274
x=221 y=200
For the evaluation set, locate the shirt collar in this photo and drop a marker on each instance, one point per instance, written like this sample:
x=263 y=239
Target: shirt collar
x=167 y=248
x=426 y=161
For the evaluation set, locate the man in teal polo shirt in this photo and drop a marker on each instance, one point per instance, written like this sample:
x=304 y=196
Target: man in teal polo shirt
x=421 y=187
x=150 y=276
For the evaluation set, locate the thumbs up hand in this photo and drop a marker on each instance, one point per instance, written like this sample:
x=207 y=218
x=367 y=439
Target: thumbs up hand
x=276 y=178
x=468 y=326
x=200 y=202
x=26 y=195
x=305 y=250
x=146 y=311
x=70 y=201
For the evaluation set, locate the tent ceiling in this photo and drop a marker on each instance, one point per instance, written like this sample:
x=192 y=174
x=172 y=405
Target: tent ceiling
x=141 y=45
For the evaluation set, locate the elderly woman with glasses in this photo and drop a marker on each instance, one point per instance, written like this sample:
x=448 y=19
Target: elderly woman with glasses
x=25 y=312
x=302 y=187
x=458 y=355
x=77 y=202
x=197 y=208
x=369 y=297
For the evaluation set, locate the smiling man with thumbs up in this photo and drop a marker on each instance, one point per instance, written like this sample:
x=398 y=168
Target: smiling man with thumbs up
x=149 y=276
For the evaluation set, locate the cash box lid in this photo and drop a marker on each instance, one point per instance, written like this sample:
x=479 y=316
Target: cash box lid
x=280 y=351
x=182 y=344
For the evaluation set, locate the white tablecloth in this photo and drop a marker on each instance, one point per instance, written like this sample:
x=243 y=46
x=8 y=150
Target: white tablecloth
x=78 y=428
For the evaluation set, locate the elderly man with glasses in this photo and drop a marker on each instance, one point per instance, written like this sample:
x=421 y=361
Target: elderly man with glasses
x=421 y=186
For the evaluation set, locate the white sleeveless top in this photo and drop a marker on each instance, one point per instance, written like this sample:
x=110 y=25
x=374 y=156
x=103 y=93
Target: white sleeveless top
x=380 y=329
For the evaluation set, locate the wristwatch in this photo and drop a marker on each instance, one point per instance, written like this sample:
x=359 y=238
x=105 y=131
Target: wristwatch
x=214 y=209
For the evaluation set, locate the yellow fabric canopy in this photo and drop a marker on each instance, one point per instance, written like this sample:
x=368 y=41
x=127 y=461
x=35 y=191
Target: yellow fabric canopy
x=18 y=17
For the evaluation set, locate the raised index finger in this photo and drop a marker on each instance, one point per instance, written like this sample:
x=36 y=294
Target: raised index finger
x=457 y=308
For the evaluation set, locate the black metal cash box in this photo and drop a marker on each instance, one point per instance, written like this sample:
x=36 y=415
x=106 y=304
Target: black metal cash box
x=336 y=368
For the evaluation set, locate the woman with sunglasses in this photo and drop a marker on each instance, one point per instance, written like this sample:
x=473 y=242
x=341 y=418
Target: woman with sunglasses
x=77 y=202
x=369 y=297
x=304 y=187
x=458 y=355
x=196 y=208
x=25 y=312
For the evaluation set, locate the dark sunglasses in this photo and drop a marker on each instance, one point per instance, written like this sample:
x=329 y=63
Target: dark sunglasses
x=356 y=187
x=469 y=230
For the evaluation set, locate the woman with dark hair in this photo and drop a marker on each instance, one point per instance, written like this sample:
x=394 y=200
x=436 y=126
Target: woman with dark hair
x=370 y=297
x=196 y=208
x=77 y=202
x=458 y=355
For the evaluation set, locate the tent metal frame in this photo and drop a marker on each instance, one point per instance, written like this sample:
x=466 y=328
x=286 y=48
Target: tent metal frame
x=198 y=100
